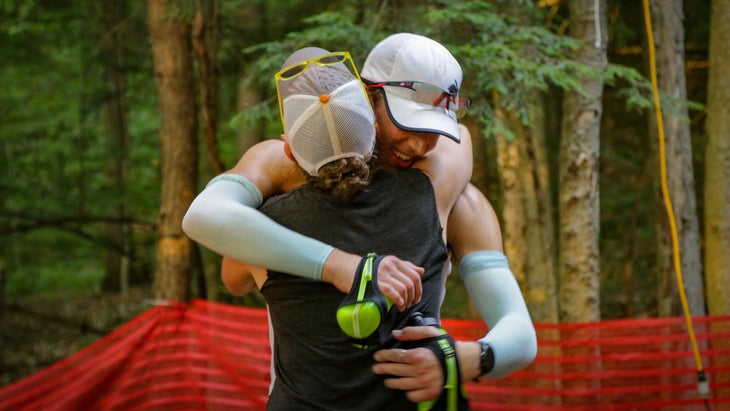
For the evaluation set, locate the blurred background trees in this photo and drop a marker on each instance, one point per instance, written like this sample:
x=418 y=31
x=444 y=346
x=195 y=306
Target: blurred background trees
x=115 y=114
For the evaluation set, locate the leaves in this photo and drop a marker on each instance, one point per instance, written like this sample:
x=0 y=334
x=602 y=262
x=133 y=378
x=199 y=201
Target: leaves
x=52 y=147
x=515 y=59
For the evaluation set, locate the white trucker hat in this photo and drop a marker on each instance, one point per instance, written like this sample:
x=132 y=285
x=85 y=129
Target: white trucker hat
x=411 y=59
x=325 y=110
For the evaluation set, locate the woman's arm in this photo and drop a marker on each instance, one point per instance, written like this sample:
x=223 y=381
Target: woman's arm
x=225 y=218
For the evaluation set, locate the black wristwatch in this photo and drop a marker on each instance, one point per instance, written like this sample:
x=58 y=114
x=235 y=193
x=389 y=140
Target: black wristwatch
x=486 y=359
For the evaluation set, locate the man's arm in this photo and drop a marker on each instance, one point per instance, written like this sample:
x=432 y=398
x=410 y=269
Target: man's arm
x=224 y=217
x=473 y=231
x=237 y=277
x=476 y=241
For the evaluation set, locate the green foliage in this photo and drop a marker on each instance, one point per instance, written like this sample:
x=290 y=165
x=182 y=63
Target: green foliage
x=329 y=30
x=513 y=59
x=264 y=112
x=628 y=230
x=53 y=153
x=501 y=55
x=334 y=31
x=57 y=200
x=40 y=271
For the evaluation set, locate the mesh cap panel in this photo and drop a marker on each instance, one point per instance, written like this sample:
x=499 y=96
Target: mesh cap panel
x=328 y=127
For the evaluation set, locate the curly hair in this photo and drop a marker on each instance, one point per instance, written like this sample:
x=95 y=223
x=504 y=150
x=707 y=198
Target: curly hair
x=343 y=178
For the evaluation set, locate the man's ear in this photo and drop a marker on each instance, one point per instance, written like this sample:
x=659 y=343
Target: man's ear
x=287 y=151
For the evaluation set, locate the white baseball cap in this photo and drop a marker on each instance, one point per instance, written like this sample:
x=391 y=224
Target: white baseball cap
x=325 y=110
x=409 y=67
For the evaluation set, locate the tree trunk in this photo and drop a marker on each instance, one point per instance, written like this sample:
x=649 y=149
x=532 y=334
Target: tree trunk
x=117 y=137
x=717 y=164
x=541 y=277
x=172 y=53
x=538 y=230
x=579 y=193
x=717 y=188
x=513 y=205
x=205 y=45
x=526 y=210
x=250 y=133
x=248 y=91
x=205 y=41
x=667 y=18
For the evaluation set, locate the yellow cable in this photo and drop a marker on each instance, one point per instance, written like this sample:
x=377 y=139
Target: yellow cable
x=665 y=192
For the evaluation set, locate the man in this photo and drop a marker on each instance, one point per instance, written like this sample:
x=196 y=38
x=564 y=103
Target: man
x=400 y=70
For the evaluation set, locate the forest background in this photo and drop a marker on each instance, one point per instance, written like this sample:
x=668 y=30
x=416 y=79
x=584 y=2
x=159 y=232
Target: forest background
x=115 y=114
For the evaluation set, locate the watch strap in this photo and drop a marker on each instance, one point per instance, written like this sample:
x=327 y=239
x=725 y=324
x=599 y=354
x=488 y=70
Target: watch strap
x=486 y=359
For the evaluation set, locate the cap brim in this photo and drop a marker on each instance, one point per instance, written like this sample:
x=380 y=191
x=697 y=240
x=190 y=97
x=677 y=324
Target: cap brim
x=411 y=116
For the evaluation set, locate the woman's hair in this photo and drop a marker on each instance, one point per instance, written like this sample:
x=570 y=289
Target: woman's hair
x=343 y=178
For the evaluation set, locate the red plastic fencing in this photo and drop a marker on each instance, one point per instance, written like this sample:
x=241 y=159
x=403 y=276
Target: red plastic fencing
x=210 y=356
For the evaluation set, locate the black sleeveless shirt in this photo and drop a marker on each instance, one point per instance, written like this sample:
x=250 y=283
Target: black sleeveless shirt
x=316 y=367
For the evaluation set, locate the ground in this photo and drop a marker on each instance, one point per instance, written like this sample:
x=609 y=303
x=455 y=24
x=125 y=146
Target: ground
x=38 y=331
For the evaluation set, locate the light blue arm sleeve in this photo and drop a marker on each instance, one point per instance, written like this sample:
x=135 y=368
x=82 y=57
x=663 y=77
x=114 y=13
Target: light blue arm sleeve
x=497 y=296
x=225 y=218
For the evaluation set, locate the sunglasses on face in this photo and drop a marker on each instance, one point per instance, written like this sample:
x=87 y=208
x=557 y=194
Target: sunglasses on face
x=426 y=93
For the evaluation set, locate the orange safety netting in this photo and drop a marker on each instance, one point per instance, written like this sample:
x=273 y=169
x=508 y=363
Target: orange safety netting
x=211 y=356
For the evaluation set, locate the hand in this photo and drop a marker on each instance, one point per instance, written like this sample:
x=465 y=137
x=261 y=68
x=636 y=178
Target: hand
x=400 y=281
x=417 y=371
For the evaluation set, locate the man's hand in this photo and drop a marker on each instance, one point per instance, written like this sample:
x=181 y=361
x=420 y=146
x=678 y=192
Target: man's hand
x=417 y=370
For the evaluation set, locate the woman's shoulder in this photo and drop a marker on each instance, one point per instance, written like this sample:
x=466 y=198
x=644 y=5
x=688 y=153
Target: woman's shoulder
x=409 y=180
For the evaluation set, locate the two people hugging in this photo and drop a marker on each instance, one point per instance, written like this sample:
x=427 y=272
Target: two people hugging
x=364 y=210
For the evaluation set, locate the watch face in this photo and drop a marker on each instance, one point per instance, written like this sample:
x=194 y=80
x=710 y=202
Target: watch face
x=486 y=359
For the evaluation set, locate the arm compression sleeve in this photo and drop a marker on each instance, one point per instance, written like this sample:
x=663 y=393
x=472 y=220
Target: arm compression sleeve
x=497 y=297
x=224 y=218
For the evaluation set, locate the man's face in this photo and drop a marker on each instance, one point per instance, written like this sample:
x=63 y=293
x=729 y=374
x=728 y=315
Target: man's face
x=399 y=149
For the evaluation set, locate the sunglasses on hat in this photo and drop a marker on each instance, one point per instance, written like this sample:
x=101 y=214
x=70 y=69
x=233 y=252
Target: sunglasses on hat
x=330 y=59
